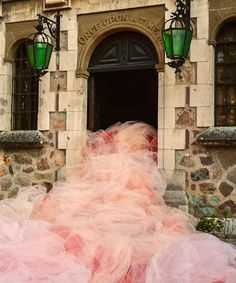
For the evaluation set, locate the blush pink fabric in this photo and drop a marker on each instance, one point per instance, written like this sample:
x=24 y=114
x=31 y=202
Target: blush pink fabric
x=108 y=223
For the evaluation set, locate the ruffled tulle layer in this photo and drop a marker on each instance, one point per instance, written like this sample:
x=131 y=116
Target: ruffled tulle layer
x=30 y=253
x=108 y=223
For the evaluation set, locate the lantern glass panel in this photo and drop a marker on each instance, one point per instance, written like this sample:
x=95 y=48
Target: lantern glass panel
x=177 y=42
x=167 y=37
x=187 y=42
x=39 y=54
x=48 y=55
x=178 y=38
x=30 y=53
x=40 y=49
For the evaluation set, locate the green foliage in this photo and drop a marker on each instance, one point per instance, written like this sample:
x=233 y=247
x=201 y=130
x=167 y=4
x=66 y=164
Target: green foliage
x=212 y=224
x=217 y=224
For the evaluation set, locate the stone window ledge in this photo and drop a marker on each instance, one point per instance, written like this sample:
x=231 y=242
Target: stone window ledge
x=22 y=139
x=224 y=136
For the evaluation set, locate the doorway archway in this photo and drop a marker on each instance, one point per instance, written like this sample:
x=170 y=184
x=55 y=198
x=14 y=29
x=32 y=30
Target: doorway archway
x=123 y=83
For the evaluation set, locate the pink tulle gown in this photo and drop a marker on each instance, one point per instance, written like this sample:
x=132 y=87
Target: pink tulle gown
x=108 y=223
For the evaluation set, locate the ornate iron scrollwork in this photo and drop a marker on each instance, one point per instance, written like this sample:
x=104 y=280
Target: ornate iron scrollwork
x=53 y=27
x=182 y=11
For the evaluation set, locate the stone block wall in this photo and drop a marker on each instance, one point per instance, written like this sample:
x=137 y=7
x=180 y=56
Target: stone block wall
x=210 y=177
x=21 y=167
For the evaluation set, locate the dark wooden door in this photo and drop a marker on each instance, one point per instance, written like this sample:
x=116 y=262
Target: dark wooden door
x=124 y=83
x=124 y=96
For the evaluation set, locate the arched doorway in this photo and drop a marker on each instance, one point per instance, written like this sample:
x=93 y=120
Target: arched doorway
x=123 y=82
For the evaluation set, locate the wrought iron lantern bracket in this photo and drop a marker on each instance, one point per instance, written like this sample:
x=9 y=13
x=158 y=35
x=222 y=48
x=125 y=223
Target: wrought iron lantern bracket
x=39 y=45
x=53 y=27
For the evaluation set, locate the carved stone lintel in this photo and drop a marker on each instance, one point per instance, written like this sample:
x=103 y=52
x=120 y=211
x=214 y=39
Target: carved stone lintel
x=56 y=4
x=94 y=27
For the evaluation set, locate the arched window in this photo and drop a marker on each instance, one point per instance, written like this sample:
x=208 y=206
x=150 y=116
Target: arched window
x=225 y=79
x=25 y=93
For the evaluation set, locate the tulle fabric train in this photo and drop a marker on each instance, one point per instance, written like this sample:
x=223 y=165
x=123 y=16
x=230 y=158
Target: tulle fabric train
x=108 y=223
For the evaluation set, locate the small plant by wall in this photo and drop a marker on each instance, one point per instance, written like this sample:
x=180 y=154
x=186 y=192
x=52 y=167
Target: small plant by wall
x=221 y=225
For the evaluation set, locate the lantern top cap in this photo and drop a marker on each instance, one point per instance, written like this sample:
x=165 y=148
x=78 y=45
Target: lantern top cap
x=39 y=27
x=178 y=23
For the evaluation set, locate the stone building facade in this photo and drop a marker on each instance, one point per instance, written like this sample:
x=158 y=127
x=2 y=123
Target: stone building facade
x=197 y=156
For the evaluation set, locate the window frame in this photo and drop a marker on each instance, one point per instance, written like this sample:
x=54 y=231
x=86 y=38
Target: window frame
x=224 y=45
x=25 y=93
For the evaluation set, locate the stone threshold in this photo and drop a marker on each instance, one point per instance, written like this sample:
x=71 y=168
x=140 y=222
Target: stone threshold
x=22 y=139
x=219 y=136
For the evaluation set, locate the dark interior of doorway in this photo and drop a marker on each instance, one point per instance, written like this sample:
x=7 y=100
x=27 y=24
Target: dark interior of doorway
x=120 y=96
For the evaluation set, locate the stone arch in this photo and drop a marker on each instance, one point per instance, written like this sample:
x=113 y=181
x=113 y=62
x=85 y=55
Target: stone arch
x=16 y=33
x=152 y=30
x=218 y=23
x=86 y=53
x=11 y=50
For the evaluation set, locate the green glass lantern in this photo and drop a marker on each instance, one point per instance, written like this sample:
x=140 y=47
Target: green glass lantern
x=177 y=37
x=39 y=50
